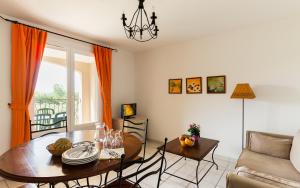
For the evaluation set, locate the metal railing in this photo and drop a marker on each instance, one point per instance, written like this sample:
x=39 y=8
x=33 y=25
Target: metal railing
x=58 y=105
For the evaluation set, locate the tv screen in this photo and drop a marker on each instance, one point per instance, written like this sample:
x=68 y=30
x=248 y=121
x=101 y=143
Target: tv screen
x=128 y=110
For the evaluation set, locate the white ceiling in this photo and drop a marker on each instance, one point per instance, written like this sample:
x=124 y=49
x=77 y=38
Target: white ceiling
x=178 y=20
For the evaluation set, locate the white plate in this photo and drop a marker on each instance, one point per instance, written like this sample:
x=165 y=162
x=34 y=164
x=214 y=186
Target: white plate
x=76 y=156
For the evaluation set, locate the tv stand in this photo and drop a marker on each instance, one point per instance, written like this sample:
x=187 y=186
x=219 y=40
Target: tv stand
x=130 y=117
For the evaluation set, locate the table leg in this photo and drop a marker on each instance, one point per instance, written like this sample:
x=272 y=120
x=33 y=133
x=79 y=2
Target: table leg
x=136 y=177
x=213 y=159
x=197 y=178
x=87 y=182
x=66 y=184
x=165 y=164
x=100 y=183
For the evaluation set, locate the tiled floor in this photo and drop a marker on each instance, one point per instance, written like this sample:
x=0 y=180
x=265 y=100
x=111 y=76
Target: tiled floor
x=185 y=168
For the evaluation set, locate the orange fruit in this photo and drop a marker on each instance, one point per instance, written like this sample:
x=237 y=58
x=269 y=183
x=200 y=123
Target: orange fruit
x=182 y=143
x=189 y=142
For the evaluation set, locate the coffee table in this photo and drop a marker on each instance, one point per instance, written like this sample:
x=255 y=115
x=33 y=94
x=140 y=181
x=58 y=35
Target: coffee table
x=201 y=148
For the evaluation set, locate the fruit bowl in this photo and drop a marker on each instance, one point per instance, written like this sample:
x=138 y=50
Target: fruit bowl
x=53 y=151
x=60 y=146
x=186 y=140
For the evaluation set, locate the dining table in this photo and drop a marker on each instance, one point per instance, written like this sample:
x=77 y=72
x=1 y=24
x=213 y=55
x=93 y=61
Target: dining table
x=32 y=162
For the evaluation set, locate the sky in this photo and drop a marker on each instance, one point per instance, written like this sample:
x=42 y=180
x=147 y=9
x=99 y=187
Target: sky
x=51 y=74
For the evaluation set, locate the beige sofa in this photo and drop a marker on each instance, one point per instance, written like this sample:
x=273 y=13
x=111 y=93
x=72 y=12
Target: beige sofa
x=264 y=163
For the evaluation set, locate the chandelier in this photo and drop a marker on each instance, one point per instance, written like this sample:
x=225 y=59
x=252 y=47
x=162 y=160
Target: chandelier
x=140 y=29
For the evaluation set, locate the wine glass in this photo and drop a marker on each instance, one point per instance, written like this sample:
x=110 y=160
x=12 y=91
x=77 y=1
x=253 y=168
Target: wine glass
x=120 y=139
x=115 y=143
x=107 y=144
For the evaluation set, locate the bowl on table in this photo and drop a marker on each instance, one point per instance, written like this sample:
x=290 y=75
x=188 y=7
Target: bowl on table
x=186 y=140
x=59 y=146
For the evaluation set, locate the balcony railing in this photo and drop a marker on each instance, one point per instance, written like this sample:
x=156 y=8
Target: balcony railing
x=53 y=106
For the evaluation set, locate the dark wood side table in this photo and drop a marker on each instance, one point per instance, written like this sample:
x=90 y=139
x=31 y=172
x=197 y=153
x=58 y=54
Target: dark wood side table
x=197 y=152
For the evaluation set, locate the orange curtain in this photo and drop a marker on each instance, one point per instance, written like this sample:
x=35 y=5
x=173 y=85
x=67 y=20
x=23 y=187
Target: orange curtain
x=27 y=51
x=103 y=58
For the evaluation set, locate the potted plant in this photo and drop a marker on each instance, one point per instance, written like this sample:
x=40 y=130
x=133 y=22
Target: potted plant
x=194 y=131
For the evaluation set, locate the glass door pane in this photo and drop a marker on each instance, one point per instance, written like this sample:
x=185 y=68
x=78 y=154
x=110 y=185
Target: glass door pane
x=86 y=95
x=50 y=97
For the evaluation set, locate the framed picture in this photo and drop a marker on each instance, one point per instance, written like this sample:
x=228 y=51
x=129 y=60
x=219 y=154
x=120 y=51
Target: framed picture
x=194 y=85
x=175 y=86
x=216 y=84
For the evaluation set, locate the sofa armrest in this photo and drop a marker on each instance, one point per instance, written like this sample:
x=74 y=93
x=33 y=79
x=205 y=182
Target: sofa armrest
x=236 y=181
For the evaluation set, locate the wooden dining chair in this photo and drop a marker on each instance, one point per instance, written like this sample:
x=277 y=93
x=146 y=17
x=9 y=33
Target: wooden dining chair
x=125 y=182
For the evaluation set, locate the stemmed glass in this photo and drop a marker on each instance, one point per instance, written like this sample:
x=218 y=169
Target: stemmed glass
x=108 y=140
x=118 y=140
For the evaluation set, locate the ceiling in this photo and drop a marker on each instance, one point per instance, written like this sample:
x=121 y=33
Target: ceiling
x=178 y=20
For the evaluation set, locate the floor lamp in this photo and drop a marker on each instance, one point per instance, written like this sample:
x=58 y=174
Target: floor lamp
x=243 y=91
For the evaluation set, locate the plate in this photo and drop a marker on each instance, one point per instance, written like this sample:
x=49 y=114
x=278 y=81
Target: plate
x=80 y=155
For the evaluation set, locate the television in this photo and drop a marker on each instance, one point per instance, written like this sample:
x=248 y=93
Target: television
x=128 y=110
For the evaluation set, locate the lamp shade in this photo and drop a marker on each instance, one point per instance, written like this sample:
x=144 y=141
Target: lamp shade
x=243 y=91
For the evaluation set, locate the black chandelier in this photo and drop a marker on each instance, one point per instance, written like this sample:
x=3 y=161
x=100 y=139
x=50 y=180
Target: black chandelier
x=145 y=29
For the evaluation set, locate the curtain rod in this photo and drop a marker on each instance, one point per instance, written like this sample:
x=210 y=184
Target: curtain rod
x=59 y=34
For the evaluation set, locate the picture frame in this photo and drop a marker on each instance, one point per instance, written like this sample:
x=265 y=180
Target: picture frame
x=216 y=84
x=175 y=86
x=194 y=85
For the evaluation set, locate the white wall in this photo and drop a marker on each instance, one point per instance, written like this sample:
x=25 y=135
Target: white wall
x=266 y=56
x=123 y=80
x=123 y=89
x=5 y=97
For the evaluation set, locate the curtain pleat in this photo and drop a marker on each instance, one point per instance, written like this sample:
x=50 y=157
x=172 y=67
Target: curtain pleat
x=28 y=46
x=103 y=57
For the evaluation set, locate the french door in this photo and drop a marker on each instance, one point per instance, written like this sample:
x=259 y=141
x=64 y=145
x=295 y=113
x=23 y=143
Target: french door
x=67 y=83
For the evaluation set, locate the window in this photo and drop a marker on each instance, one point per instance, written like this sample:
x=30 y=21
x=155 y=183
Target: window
x=67 y=84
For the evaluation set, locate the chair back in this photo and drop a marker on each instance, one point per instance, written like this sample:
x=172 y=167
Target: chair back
x=146 y=174
x=45 y=111
x=60 y=118
x=47 y=128
x=135 y=130
x=42 y=118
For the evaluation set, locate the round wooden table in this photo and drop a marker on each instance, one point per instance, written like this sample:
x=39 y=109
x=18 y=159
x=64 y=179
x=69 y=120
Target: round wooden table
x=32 y=163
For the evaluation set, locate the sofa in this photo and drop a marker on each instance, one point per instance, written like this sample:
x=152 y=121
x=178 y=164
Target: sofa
x=265 y=163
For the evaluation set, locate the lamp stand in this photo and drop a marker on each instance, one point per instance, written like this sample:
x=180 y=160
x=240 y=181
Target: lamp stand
x=243 y=126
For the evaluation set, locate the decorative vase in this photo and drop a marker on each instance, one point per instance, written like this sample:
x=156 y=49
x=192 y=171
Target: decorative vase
x=196 y=138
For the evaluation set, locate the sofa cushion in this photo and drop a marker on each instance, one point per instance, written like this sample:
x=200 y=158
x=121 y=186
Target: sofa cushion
x=266 y=178
x=270 y=145
x=269 y=165
x=295 y=151
x=237 y=181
